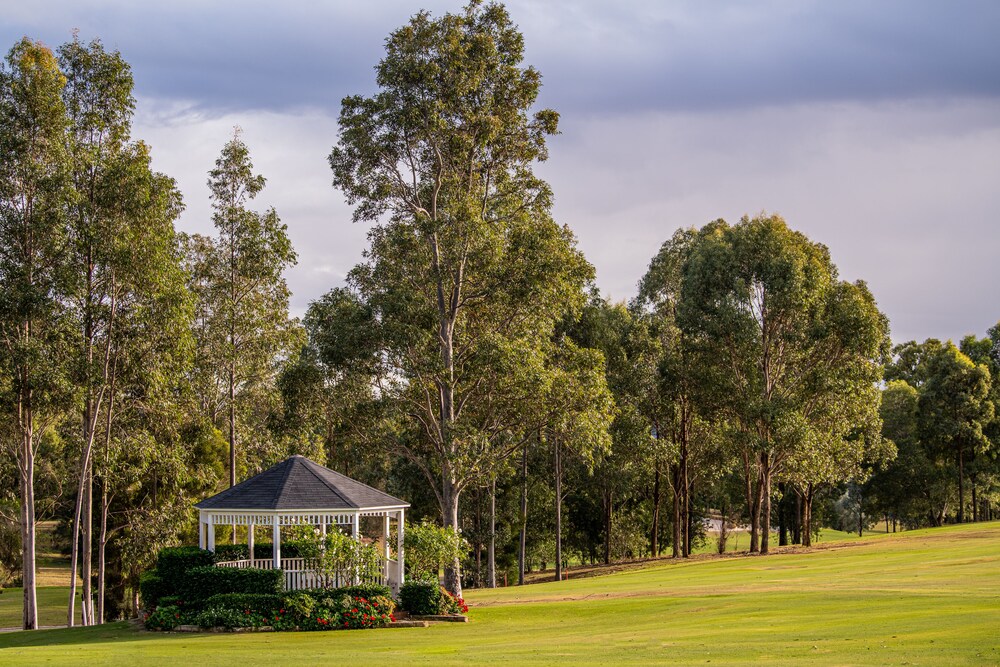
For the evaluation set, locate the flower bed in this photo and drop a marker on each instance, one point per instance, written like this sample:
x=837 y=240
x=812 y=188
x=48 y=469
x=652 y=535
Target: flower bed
x=333 y=609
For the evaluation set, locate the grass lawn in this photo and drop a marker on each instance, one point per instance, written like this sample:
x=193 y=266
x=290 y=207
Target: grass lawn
x=52 y=601
x=918 y=598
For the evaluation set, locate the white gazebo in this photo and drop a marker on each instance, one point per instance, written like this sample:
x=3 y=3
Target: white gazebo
x=300 y=492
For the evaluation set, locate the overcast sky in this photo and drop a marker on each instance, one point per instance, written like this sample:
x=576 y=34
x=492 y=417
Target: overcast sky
x=872 y=127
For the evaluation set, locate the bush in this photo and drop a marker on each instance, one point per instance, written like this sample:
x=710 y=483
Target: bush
x=201 y=583
x=164 y=618
x=420 y=598
x=359 y=612
x=430 y=547
x=152 y=588
x=173 y=563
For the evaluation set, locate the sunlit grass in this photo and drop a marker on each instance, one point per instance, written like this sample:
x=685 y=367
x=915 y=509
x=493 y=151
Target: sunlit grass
x=924 y=597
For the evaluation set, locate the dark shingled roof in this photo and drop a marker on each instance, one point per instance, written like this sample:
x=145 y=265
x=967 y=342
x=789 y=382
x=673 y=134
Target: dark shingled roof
x=300 y=484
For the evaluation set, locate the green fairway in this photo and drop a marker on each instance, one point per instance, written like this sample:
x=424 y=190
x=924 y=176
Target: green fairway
x=919 y=598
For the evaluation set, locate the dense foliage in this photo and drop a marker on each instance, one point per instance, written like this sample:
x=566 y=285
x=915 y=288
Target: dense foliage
x=468 y=364
x=334 y=609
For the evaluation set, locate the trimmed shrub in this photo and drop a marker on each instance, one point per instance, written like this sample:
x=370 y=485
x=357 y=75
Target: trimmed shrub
x=201 y=583
x=255 y=603
x=420 y=598
x=215 y=616
x=173 y=563
x=152 y=588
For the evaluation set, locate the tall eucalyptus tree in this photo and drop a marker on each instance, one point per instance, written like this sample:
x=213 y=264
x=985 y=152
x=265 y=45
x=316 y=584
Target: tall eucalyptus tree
x=36 y=331
x=467 y=273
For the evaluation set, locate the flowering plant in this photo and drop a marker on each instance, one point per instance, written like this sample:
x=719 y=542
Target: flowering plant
x=165 y=618
x=359 y=612
x=452 y=604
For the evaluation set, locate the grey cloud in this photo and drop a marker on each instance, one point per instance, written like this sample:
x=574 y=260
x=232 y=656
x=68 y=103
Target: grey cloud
x=904 y=195
x=595 y=56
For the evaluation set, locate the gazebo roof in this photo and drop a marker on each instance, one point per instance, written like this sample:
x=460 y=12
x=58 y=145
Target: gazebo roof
x=300 y=484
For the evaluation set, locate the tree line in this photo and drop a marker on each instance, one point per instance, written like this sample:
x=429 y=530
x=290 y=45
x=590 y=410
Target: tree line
x=468 y=364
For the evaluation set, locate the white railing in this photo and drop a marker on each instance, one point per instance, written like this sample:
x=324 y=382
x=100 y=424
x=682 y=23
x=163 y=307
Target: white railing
x=390 y=568
x=303 y=573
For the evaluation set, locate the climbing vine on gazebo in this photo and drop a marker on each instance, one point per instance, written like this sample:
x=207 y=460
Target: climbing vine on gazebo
x=337 y=556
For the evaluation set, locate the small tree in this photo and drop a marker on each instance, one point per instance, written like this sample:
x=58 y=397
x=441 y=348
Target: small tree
x=429 y=547
x=337 y=555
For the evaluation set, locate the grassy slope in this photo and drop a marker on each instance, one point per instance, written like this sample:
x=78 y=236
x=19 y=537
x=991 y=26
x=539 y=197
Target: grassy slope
x=924 y=597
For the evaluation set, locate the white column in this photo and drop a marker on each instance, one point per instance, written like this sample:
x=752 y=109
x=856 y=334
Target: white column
x=201 y=530
x=356 y=534
x=399 y=547
x=250 y=527
x=276 y=541
x=385 y=547
x=322 y=528
x=211 y=534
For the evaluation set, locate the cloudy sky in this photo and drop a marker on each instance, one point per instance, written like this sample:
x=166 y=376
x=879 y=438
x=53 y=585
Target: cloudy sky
x=873 y=127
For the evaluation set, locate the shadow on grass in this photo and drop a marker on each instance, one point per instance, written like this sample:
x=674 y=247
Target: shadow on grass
x=109 y=633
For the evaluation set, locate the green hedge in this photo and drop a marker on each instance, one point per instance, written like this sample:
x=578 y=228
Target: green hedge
x=152 y=588
x=201 y=583
x=255 y=603
x=173 y=563
x=420 y=598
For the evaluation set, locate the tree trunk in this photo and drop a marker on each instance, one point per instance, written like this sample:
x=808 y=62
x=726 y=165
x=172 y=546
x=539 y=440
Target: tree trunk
x=608 y=516
x=797 y=528
x=491 y=555
x=29 y=619
x=232 y=428
x=87 y=569
x=782 y=511
x=524 y=516
x=101 y=550
x=686 y=508
x=975 y=502
x=558 y=473
x=752 y=488
x=676 y=546
x=765 y=509
x=755 y=511
x=654 y=544
x=961 y=488
x=453 y=572
x=807 y=498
